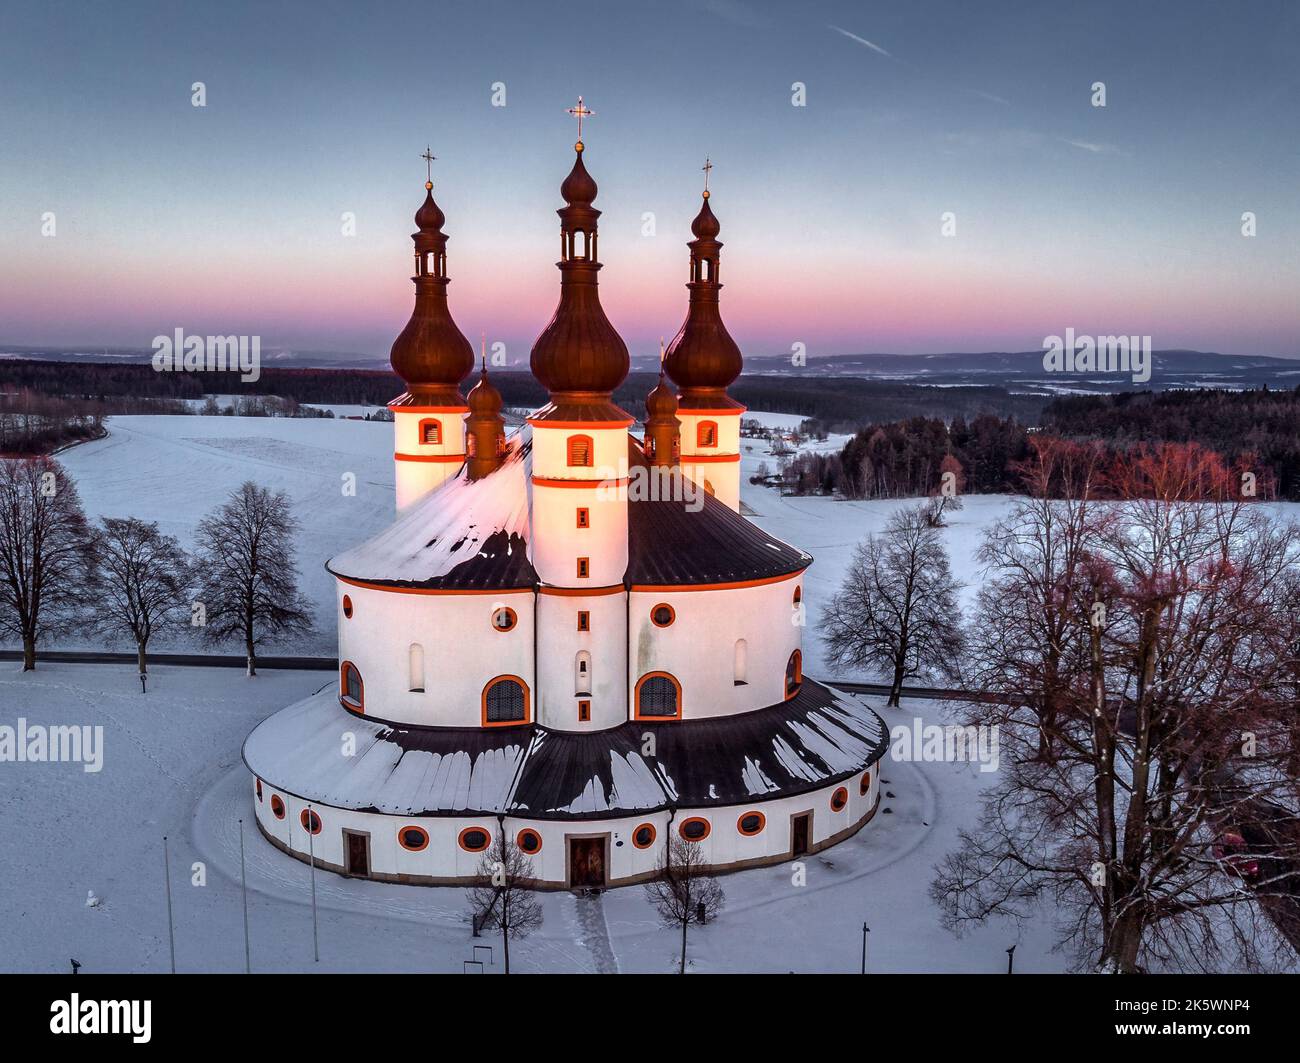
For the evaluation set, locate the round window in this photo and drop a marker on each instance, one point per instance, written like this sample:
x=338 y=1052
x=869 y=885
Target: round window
x=529 y=841
x=662 y=615
x=347 y=606
x=412 y=838
x=309 y=820
x=751 y=823
x=695 y=829
x=865 y=784
x=839 y=799
x=277 y=806
x=474 y=839
x=504 y=618
x=644 y=836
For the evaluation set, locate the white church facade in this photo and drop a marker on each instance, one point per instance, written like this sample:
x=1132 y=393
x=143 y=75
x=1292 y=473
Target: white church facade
x=537 y=651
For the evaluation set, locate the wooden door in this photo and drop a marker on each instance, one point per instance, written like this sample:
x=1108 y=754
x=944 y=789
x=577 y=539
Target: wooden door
x=799 y=834
x=586 y=863
x=356 y=849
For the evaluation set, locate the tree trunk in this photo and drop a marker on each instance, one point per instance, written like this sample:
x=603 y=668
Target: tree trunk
x=140 y=661
x=896 y=686
x=29 y=654
x=1121 y=950
x=682 y=969
x=505 y=942
x=251 y=656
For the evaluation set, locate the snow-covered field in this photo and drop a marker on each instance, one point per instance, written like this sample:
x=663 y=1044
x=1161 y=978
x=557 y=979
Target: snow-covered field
x=171 y=767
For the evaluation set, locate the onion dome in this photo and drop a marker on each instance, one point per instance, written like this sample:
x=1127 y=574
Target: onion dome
x=431 y=355
x=662 y=430
x=703 y=360
x=579 y=357
x=485 y=430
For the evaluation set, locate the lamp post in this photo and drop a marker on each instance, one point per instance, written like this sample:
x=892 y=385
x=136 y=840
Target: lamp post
x=865 y=931
x=1011 y=953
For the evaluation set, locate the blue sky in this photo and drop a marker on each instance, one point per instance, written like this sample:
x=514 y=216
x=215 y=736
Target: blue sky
x=1122 y=219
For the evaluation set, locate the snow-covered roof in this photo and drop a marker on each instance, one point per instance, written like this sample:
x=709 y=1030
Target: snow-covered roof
x=817 y=737
x=466 y=534
x=473 y=535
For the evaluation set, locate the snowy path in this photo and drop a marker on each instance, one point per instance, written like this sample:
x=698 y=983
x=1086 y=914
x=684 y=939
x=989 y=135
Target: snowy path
x=595 y=932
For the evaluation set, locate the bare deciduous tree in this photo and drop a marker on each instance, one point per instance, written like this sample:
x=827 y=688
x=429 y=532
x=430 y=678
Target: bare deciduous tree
x=1157 y=827
x=46 y=555
x=249 y=586
x=682 y=891
x=897 y=608
x=141 y=582
x=505 y=896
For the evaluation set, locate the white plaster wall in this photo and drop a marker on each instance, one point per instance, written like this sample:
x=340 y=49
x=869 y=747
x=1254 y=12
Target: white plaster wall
x=415 y=479
x=698 y=648
x=557 y=542
x=462 y=651
x=443 y=857
x=551 y=452
x=558 y=643
x=724 y=476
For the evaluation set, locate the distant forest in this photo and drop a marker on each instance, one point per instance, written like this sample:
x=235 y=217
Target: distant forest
x=900 y=432
x=1257 y=430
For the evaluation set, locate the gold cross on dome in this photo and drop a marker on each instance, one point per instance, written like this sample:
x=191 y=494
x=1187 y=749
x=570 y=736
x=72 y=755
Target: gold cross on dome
x=428 y=156
x=580 y=112
x=706 y=168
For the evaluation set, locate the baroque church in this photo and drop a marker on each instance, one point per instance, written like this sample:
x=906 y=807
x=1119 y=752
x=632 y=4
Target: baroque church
x=533 y=652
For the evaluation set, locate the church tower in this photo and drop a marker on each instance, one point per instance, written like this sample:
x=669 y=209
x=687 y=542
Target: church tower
x=579 y=537
x=432 y=357
x=703 y=361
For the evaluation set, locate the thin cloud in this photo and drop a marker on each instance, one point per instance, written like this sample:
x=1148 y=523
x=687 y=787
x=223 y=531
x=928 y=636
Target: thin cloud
x=988 y=96
x=1088 y=145
x=861 y=40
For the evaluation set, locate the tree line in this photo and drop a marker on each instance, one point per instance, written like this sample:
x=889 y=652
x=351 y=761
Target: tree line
x=123 y=578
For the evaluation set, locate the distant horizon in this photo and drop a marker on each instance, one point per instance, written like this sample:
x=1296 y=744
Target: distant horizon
x=920 y=178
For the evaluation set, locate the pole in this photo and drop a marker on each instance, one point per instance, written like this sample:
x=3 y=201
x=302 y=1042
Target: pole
x=311 y=850
x=865 y=931
x=243 y=880
x=1011 y=954
x=171 y=926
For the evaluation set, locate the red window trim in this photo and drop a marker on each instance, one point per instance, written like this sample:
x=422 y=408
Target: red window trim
x=570 y=445
x=638 y=829
x=637 y=696
x=708 y=828
x=663 y=605
x=762 y=823
x=460 y=839
x=424 y=422
x=519 y=841
x=277 y=806
x=700 y=433
x=841 y=795
x=528 y=706
x=344 y=700
x=401 y=838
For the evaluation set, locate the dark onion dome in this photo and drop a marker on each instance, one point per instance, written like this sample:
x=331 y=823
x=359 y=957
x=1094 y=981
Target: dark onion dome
x=579 y=357
x=661 y=402
x=703 y=360
x=484 y=399
x=431 y=355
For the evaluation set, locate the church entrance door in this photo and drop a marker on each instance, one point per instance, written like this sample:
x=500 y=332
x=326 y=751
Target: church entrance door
x=799 y=833
x=356 y=853
x=587 y=863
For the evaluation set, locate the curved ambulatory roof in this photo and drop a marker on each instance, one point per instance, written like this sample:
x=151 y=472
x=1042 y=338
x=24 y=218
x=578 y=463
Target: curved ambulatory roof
x=473 y=535
x=818 y=737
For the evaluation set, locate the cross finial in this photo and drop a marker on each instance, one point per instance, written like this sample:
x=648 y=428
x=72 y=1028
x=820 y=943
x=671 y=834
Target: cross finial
x=428 y=156
x=482 y=348
x=580 y=112
x=706 y=168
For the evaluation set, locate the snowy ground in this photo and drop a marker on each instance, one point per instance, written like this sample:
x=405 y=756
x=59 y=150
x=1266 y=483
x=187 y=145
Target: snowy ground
x=171 y=766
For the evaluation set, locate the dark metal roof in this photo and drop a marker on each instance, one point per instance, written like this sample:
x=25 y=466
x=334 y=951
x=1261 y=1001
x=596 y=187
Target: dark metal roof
x=816 y=738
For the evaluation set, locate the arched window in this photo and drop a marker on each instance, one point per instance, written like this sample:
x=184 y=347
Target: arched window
x=793 y=674
x=580 y=451
x=706 y=434
x=415 y=666
x=582 y=673
x=708 y=489
x=431 y=431
x=798 y=594
x=347 y=606
x=740 y=663
x=505 y=701
x=658 y=697
x=352 y=690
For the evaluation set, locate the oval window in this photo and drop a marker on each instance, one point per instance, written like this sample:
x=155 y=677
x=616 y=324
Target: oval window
x=529 y=841
x=259 y=789
x=751 y=823
x=412 y=838
x=839 y=799
x=347 y=606
x=309 y=820
x=504 y=618
x=644 y=836
x=662 y=615
x=865 y=784
x=695 y=829
x=277 y=806
x=474 y=839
